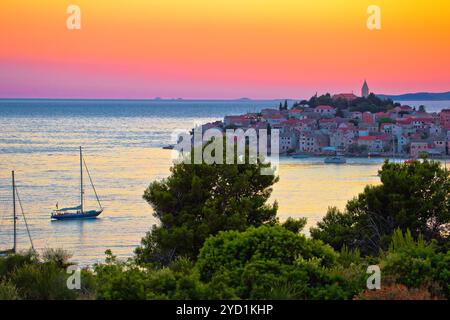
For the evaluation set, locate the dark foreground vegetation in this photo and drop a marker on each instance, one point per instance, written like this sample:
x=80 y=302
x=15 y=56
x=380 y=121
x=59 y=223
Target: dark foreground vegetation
x=220 y=239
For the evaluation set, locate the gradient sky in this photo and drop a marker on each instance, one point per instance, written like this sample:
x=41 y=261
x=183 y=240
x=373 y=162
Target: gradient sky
x=221 y=48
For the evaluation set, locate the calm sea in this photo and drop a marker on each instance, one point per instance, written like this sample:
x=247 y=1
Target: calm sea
x=122 y=145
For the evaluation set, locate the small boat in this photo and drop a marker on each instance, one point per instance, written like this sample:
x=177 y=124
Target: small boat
x=300 y=156
x=79 y=212
x=335 y=160
x=15 y=218
x=169 y=147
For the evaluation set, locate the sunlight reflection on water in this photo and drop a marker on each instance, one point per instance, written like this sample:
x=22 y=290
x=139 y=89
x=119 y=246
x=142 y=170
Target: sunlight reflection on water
x=123 y=152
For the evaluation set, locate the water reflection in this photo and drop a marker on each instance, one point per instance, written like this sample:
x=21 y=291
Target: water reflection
x=306 y=188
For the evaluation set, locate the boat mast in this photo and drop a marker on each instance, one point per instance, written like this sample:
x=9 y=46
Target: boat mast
x=81 y=180
x=14 y=213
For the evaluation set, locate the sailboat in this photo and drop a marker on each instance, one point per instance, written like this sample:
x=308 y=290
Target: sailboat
x=15 y=218
x=79 y=211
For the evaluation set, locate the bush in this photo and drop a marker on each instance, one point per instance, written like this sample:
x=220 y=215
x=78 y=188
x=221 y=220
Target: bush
x=273 y=262
x=417 y=264
x=127 y=281
x=12 y=262
x=294 y=225
x=58 y=256
x=412 y=196
x=42 y=281
x=8 y=291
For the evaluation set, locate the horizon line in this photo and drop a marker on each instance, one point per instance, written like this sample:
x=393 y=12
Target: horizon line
x=211 y=99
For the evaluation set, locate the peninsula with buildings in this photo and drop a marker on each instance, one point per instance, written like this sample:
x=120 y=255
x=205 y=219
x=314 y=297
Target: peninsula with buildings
x=349 y=125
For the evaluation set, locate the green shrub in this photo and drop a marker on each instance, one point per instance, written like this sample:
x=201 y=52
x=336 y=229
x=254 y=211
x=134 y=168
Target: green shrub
x=413 y=196
x=273 y=262
x=417 y=264
x=8 y=291
x=42 y=281
x=127 y=281
x=294 y=225
x=58 y=256
x=10 y=263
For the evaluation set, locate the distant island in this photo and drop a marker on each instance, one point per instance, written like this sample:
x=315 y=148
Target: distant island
x=418 y=96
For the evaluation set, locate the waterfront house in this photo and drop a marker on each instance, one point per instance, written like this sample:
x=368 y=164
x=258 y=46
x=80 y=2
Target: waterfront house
x=417 y=148
x=402 y=143
x=376 y=143
x=312 y=142
x=439 y=144
x=342 y=139
x=288 y=141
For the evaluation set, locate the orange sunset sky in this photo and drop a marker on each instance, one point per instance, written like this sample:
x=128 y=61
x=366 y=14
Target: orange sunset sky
x=221 y=48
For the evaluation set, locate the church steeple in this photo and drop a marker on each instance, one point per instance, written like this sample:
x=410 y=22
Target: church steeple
x=365 y=90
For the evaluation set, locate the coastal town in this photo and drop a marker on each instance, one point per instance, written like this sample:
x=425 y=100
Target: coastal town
x=349 y=125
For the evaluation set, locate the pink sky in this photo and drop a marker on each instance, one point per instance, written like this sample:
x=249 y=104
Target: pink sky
x=200 y=49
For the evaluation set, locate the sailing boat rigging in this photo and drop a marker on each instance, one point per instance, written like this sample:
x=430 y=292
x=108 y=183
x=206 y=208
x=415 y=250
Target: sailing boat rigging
x=79 y=212
x=15 y=194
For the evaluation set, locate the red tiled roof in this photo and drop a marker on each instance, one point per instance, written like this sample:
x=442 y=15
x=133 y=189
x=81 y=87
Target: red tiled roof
x=423 y=119
x=373 y=138
x=404 y=120
x=275 y=116
x=324 y=107
x=346 y=96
